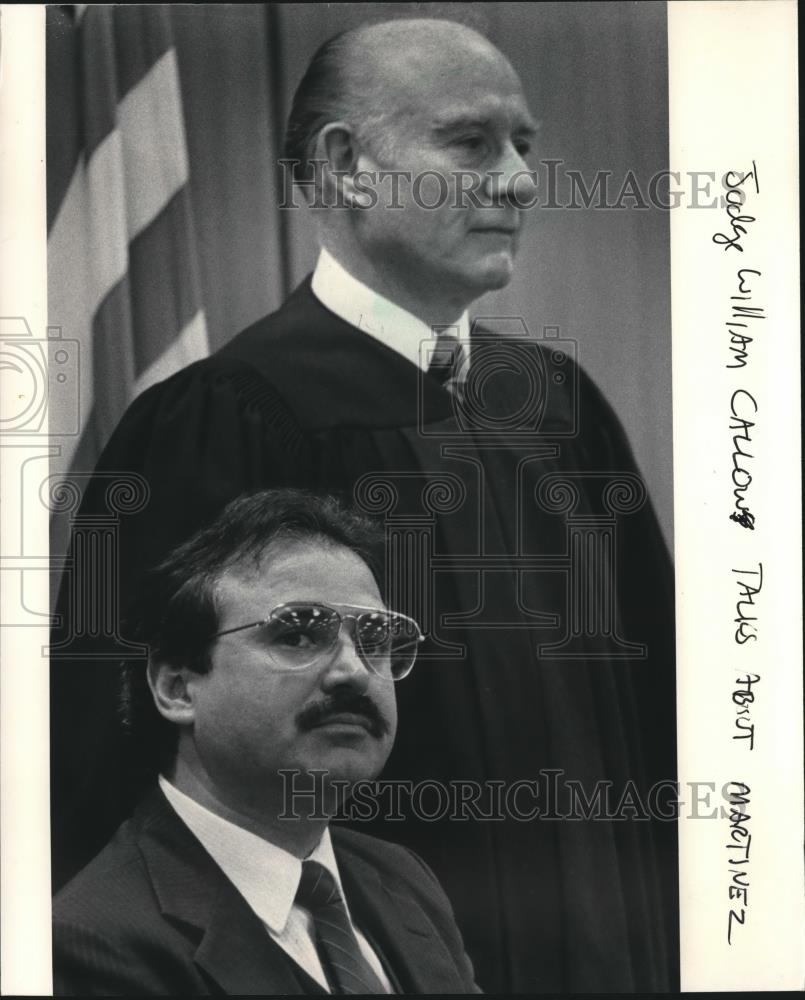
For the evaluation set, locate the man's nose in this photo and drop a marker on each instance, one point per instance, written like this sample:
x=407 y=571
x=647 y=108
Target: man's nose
x=511 y=179
x=345 y=665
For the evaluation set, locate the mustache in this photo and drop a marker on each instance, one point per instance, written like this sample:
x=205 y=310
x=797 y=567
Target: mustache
x=356 y=704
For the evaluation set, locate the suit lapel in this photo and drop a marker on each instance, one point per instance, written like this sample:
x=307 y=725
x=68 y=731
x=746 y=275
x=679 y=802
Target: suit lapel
x=238 y=954
x=399 y=927
x=234 y=948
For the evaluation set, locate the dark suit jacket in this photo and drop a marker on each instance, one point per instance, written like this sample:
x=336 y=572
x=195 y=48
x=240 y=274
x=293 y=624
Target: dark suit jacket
x=154 y=914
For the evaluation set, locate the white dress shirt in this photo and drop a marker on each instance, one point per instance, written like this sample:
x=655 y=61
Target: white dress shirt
x=360 y=306
x=267 y=877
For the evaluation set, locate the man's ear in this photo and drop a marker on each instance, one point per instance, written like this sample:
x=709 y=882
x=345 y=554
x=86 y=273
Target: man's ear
x=171 y=693
x=338 y=147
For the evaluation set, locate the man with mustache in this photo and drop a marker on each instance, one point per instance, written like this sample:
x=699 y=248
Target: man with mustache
x=272 y=654
x=470 y=450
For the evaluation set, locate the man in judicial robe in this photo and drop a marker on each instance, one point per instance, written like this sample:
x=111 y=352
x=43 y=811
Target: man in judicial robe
x=542 y=719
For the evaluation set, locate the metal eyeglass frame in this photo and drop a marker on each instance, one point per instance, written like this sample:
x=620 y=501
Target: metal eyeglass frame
x=344 y=615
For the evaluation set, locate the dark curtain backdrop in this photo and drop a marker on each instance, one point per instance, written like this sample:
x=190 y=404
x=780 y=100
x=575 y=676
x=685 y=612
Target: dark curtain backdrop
x=595 y=75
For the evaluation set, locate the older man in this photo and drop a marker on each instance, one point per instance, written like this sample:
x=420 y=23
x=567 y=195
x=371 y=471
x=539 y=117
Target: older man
x=273 y=654
x=501 y=472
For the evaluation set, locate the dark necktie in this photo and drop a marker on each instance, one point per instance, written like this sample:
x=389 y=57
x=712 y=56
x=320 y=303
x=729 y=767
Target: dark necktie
x=448 y=363
x=346 y=969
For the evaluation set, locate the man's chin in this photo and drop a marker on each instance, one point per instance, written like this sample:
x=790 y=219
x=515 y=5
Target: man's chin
x=496 y=272
x=344 y=775
x=349 y=762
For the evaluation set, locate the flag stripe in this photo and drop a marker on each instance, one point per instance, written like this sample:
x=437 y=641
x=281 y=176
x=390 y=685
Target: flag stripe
x=189 y=346
x=97 y=77
x=142 y=36
x=70 y=303
x=63 y=136
x=153 y=140
x=122 y=271
x=102 y=196
x=158 y=298
x=89 y=239
x=113 y=356
x=164 y=283
x=104 y=204
x=126 y=41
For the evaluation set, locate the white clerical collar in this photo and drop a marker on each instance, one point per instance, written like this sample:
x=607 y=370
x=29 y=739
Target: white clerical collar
x=360 y=306
x=265 y=875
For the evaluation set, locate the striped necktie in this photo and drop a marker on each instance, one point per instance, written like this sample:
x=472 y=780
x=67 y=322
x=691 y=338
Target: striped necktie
x=448 y=363
x=346 y=969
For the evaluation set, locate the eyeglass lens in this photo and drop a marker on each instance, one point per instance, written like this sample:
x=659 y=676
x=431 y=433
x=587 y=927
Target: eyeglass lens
x=297 y=636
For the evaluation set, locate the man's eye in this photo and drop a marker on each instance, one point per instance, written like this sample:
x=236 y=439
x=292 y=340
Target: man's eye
x=377 y=645
x=470 y=142
x=294 y=639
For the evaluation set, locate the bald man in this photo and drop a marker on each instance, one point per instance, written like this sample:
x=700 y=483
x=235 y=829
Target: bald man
x=439 y=104
x=410 y=141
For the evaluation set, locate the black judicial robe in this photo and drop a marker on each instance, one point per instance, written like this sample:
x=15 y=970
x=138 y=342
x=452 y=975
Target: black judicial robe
x=486 y=508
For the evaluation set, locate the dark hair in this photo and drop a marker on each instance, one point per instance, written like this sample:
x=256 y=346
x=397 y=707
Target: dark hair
x=321 y=97
x=175 y=612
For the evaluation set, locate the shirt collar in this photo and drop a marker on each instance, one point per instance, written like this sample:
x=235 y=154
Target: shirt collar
x=360 y=306
x=265 y=875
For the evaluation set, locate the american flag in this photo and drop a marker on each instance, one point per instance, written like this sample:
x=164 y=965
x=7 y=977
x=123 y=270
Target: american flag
x=123 y=276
